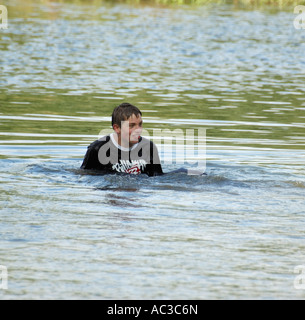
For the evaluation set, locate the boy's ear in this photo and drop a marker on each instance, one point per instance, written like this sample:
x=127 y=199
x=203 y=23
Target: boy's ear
x=116 y=128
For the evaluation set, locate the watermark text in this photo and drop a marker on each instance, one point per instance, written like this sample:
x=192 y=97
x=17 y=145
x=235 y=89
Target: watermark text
x=299 y=280
x=3 y=17
x=299 y=20
x=3 y=277
x=183 y=147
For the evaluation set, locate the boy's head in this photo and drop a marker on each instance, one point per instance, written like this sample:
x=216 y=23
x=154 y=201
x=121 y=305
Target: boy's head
x=127 y=123
x=123 y=112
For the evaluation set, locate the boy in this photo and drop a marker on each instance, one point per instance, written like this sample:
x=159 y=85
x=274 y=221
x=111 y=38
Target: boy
x=124 y=150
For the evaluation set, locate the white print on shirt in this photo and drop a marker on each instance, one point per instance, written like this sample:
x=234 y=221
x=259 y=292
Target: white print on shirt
x=133 y=166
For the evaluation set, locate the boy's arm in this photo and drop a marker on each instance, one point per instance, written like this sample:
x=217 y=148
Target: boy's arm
x=154 y=168
x=91 y=160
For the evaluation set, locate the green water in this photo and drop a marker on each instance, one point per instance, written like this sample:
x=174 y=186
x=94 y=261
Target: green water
x=238 y=74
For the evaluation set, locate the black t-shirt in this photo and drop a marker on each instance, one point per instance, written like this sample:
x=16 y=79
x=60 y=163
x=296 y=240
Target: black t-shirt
x=106 y=155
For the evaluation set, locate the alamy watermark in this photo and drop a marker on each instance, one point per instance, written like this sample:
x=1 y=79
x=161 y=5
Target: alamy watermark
x=299 y=20
x=178 y=146
x=3 y=277
x=299 y=280
x=3 y=17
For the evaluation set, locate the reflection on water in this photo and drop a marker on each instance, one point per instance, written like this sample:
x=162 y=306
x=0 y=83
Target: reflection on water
x=234 y=71
x=237 y=232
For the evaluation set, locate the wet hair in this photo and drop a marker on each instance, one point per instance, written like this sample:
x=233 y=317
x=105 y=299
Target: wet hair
x=123 y=112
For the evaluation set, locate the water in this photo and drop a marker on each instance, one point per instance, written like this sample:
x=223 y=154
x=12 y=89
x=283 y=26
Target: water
x=236 y=233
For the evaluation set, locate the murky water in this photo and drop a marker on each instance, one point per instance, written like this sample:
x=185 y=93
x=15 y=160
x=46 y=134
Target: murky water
x=236 y=233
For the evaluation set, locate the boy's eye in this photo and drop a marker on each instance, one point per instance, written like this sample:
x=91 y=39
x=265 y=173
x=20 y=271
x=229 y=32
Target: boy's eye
x=132 y=125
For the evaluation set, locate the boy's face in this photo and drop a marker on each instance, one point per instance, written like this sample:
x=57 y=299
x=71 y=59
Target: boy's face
x=130 y=131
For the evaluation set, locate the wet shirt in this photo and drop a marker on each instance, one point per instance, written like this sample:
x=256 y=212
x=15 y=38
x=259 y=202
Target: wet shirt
x=106 y=155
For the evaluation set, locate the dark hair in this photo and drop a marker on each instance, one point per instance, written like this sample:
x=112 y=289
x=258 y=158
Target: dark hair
x=123 y=112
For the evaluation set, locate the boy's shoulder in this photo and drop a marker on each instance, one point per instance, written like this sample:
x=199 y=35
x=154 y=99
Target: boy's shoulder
x=98 y=143
x=144 y=140
x=147 y=142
